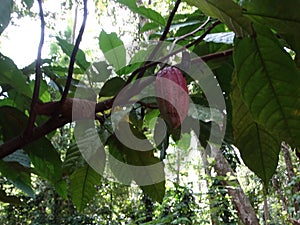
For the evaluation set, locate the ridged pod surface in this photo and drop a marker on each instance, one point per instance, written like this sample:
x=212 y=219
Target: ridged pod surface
x=172 y=95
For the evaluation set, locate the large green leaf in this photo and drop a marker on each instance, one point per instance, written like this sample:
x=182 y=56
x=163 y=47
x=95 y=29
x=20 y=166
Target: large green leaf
x=45 y=159
x=146 y=12
x=270 y=84
x=128 y=164
x=258 y=147
x=82 y=186
x=80 y=56
x=5 y=10
x=113 y=49
x=283 y=16
x=11 y=75
x=228 y=12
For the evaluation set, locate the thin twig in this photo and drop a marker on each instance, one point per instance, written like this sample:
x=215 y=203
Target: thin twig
x=209 y=29
x=157 y=47
x=38 y=75
x=189 y=34
x=73 y=55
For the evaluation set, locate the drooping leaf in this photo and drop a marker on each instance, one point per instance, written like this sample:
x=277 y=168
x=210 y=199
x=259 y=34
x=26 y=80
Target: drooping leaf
x=83 y=186
x=80 y=56
x=155 y=191
x=11 y=75
x=112 y=87
x=5 y=10
x=45 y=159
x=259 y=148
x=270 y=84
x=228 y=12
x=113 y=49
x=138 y=165
x=18 y=156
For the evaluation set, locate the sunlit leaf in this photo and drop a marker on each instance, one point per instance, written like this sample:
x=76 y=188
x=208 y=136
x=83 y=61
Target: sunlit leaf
x=113 y=49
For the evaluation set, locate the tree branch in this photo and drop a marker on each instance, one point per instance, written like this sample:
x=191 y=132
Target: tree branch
x=38 y=74
x=157 y=47
x=73 y=55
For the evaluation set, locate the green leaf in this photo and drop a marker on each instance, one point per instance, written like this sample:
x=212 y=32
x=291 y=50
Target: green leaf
x=73 y=160
x=146 y=12
x=99 y=71
x=155 y=191
x=226 y=11
x=47 y=163
x=270 y=84
x=12 y=122
x=5 y=10
x=16 y=100
x=45 y=159
x=206 y=114
x=29 y=3
x=112 y=87
x=152 y=15
x=282 y=16
x=258 y=147
x=148 y=26
x=83 y=186
x=113 y=49
x=17 y=175
x=80 y=56
x=128 y=164
x=11 y=75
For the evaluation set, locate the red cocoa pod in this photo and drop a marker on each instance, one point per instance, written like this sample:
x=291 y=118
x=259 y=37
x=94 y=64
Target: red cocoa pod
x=172 y=96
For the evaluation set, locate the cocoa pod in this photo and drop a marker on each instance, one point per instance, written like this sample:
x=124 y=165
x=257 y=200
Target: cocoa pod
x=172 y=96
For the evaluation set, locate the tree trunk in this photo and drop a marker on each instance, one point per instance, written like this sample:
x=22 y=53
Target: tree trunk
x=242 y=204
x=213 y=217
x=290 y=172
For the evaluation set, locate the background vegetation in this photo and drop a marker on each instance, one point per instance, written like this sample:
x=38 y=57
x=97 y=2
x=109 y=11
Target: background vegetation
x=252 y=48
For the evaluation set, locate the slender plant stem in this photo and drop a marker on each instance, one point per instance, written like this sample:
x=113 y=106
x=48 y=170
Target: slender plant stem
x=38 y=75
x=73 y=55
